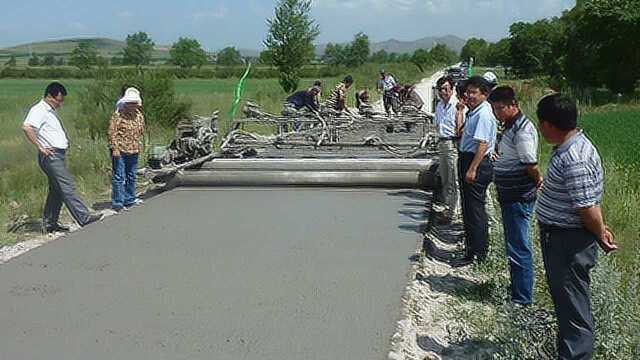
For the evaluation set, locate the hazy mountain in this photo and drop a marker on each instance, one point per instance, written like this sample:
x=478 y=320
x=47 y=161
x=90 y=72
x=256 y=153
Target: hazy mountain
x=109 y=47
x=398 y=46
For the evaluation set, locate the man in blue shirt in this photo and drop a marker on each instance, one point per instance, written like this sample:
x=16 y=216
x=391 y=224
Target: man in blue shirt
x=476 y=170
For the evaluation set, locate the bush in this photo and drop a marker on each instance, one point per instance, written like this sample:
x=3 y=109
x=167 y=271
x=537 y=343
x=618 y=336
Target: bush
x=161 y=106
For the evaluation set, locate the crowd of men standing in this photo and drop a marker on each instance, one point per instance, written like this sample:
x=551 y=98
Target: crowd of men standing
x=473 y=154
x=566 y=200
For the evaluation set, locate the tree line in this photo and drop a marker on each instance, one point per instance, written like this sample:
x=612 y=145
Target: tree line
x=594 y=44
x=185 y=53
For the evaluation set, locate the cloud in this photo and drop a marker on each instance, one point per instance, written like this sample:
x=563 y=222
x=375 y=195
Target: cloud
x=207 y=14
x=77 y=26
x=125 y=15
x=539 y=8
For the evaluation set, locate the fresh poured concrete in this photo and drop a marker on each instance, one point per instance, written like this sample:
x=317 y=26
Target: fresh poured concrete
x=218 y=274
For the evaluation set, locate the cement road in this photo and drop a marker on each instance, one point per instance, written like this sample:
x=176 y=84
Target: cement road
x=218 y=274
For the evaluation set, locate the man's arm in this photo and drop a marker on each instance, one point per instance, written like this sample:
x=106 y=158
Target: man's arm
x=592 y=219
x=470 y=177
x=533 y=171
x=32 y=138
x=459 y=119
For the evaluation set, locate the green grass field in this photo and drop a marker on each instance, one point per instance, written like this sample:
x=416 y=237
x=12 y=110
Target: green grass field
x=22 y=185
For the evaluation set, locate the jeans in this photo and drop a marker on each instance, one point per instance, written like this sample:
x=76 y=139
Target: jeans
x=569 y=255
x=474 y=198
x=123 y=180
x=449 y=175
x=61 y=190
x=515 y=221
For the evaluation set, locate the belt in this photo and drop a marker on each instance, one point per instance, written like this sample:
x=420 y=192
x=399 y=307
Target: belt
x=442 y=138
x=556 y=228
x=469 y=153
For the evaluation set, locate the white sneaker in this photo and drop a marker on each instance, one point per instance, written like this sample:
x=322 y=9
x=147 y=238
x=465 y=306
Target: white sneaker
x=135 y=202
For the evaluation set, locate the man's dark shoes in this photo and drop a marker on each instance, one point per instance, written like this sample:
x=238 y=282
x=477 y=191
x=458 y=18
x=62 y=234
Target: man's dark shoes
x=93 y=218
x=56 y=228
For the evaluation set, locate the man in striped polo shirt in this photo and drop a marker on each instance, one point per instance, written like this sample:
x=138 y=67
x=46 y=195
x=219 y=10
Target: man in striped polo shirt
x=571 y=223
x=516 y=175
x=476 y=170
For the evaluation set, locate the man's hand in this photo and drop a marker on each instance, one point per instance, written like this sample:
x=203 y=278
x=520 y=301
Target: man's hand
x=115 y=153
x=539 y=182
x=606 y=242
x=44 y=151
x=494 y=156
x=470 y=176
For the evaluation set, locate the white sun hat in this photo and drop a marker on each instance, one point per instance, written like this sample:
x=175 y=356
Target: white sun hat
x=131 y=95
x=490 y=77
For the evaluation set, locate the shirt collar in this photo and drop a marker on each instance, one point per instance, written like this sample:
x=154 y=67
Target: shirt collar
x=452 y=102
x=477 y=109
x=47 y=106
x=517 y=121
x=568 y=143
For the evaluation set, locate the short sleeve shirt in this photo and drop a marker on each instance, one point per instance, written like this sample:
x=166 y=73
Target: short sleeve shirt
x=47 y=126
x=518 y=149
x=446 y=118
x=574 y=180
x=480 y=126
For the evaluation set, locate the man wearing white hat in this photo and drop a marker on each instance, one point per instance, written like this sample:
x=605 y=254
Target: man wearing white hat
x=43 y=128
x=125 y=131
x=491 y=78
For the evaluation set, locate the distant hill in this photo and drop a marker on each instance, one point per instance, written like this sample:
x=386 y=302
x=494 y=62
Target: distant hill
x=400 y=47
x=106 y=47
x=109 y=47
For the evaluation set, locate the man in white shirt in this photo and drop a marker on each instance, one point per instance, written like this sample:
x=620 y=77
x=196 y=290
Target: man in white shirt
x=386 y=85
x=43 y=128
x=446 y=121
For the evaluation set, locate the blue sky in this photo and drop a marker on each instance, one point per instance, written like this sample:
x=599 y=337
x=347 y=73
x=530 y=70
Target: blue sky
x=241 y=23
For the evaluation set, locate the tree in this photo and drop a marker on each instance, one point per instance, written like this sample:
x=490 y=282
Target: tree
x=34 y=60
x=442 y=54
x=335 y=54
x=138 y=50
x=602 y=43
x=266 y=57
x=60 y=61
x=229 y=56
x=290 y=40
x=537 y=48
x=358 y=51
x=49 y=60
x=475 y=48
x=403 y=58
x=187 y=53
x=84 y=55
x=11 y=62
x=116 y=60
x=498 y=53
x=422 y=58
x=379 y=57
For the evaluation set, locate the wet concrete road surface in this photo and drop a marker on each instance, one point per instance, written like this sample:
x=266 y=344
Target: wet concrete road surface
x=217 y=274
